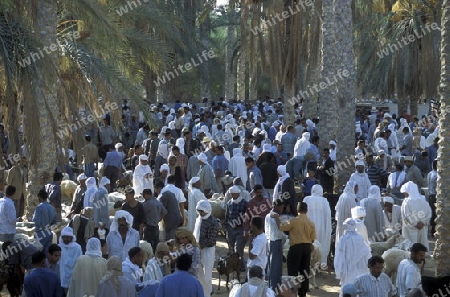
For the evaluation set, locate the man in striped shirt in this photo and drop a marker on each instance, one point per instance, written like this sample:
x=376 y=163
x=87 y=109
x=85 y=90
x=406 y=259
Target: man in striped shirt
x=375 y=283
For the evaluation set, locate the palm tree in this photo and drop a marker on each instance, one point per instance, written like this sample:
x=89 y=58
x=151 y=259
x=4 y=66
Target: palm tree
x=442 y=247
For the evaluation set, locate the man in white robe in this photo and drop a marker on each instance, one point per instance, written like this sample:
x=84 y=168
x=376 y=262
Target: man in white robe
x=362 y=180
x=206 y=174
x=358 y=214
x=142 y=176
x=374 y=219
x=392 y=215
x=302 y=145
x=416 y=215
x=194 y=196
x=237 y=165
x=70 y=251
x=319 y=213
x=352 y=254
x=346 y=202
x=89 y=270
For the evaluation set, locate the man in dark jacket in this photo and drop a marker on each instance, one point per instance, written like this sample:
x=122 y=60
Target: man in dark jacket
x=172 y=220
x=327 y=172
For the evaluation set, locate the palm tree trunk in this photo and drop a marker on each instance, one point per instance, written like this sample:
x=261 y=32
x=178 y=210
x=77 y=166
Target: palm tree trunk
x=346 y=87
x=231 y=40
x=42 y=168
x=442 y=247
x=241 y=77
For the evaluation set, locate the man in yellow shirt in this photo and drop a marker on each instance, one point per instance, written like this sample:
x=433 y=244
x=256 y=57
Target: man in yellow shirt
x=302 y=234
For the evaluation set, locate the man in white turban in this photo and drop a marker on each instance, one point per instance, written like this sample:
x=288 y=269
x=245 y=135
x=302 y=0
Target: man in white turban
x=101 y=206
x=374 y=219
x=416 y=215
x=89 y=270
x=142 y=176
x=346 y=202
x=392 y=215
x=352 y=254
x=361 y=179
x=205 y=232
x=284 y=189
x=358 y=214
x=319 y=213
x=70 y=251
x=237 y=165
x=122 y=237
x=91 y=188
x=194 y=197
x=208 y=181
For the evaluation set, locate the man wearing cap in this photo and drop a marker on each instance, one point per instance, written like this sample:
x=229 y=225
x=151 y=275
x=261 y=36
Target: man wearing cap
x=122 y=237
x=207 y=181
x=392 y=215
x=412 y=172
x=234 y=223
x=206 y=229
x=142 y=176
x=112 y=166
x=361 y=179
x=100 y=204
x=154 y=212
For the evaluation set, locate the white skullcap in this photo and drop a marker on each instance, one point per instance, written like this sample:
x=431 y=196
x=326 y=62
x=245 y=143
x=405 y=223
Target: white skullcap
x=332 y=142
x=118 y=145
x=143 y=157
x=358 y=212
x=91 y=181
x=204 y=205
x=235 y=190
x=164 y=167
x=172 y=111
x=388 y=199
x=349 y=224
x=360 y=163
x=403 y=121
x=194 y=180
x=202 y=157
x=267 y=148
x=387 y=115
x=81 y=177
x=104 y=181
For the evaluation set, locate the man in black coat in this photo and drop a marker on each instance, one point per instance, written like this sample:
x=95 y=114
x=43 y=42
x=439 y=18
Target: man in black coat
x=327 y=172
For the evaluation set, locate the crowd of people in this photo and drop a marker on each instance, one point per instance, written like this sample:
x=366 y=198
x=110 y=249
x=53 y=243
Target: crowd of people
x=188 y=158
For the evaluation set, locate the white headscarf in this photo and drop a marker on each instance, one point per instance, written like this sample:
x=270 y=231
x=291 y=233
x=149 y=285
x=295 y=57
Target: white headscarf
x=350 y=189
x=283 y=176
x=202 y=157
x=113 y=271
x=67 y=231
x=358 y=212
x=237 y=152
x=317 y=190
x=91 y=188
x=388 y=199
x=193 y=181
x=104 y=181
x=164 y=167
x=349 y=225
x=205 y=206
x=180 y=144
x=93 y=247
x=121 y=214
x=412 y=190
x=374 y=192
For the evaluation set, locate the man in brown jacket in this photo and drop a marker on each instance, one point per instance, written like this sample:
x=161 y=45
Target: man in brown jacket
x=18 y=177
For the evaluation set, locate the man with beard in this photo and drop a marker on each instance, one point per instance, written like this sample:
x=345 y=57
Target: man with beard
x=409 y=272
x=362 y=180
x=122 y=237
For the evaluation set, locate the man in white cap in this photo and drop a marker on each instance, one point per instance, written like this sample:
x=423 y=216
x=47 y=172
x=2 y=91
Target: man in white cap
x=70 y=251
x=333 y=150
x=142 y=176
x=122 y=237
x=100 y=204
x=392 y=215
x=207 y=180
x=352 y=254
x=416 y=215
x=194 y=197
x=361 y=179
x=78 y=196
x=119 y=148
x=205 y=232
x=234 y=222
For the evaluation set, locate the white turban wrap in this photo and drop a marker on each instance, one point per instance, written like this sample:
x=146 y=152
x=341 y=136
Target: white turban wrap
x=93 y=247
x=412 y=190
x=360 y=163
x=358 y=212
x=349 y=224
x=374 y=192
x=121 y=214
x=388 y=199
x=202 y=157
x=164 y=167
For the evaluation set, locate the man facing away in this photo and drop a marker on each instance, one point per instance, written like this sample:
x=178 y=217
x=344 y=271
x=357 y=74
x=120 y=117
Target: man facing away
x=17 y=177
x=255 y=285
x=40 y=281
x=7 y=215
x=181 y=283
x=154 y=212
x=44 y=217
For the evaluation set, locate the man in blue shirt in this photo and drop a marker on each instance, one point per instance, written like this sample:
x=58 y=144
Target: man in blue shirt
x=41 y=282
x=219 y=165
x=288 y=140
x=54 y=193
x=180 y=283
x=7 y=215
x=112 y=166
x=44 y=217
